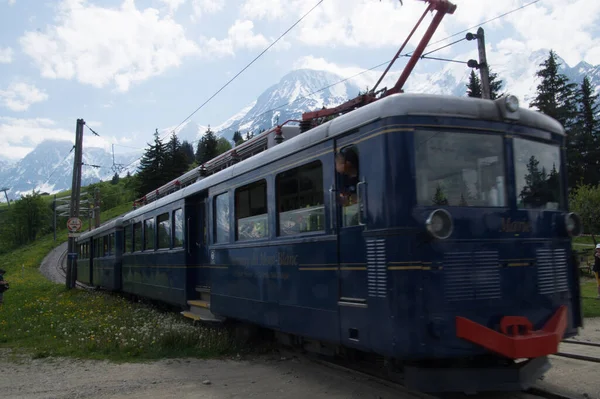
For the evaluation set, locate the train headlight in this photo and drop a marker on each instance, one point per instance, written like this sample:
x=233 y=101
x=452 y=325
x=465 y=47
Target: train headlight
x=573 y=224
x=512 y=103
x=439 y=224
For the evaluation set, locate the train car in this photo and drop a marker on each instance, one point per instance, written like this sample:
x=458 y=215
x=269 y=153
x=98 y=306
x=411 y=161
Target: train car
x=101 y=264
x=154 y=257
x=432 y=232
x=84 y=259
x=455 y=251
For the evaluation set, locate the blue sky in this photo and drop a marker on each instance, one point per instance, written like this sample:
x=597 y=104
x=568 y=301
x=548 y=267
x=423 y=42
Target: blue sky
x=129 y=67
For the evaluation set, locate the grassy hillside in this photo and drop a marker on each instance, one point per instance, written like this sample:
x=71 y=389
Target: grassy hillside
x=43 y=318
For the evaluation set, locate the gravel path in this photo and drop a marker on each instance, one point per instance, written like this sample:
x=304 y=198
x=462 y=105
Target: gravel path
x=48 y=267
x=265 y=377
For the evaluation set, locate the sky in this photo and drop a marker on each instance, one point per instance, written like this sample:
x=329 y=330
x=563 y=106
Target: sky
x=128 y=67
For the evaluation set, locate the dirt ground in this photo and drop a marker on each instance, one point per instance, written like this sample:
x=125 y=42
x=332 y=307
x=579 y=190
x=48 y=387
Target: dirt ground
x=266 y=377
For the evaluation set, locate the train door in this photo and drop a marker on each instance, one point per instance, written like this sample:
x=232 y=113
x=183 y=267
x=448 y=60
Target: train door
x=195 y=244
x=350 y=198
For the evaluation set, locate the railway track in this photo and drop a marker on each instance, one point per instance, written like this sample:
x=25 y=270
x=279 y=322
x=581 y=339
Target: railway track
x=580 y=350
x=394 y=380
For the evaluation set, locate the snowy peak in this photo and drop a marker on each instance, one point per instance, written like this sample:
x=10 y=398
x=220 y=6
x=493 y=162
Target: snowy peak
x=297 y=92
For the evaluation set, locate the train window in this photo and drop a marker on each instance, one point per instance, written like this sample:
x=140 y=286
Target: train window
x=459 y=169
x=178 y=228
x=347 y=168
x=251 y=211
x=149 y=234
x=222 y=218
x=105 y=246
x=537 y=175
x=127 y=239
x=111 y=244
x=164 y=231
x=300 y=199
x=137 y=236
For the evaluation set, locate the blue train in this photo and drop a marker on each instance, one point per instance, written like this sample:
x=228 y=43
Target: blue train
x=431 y=231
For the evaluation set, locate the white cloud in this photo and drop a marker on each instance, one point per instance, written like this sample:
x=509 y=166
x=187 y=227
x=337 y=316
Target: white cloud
x=206 y=7
x=259 y=9
x=20 y=136
x=173 y=4
x=93 y=124
x=99 y=46
x=6 y=55
x=11 y=2
x=568 y=26
x=239 y=35
x=20 y=96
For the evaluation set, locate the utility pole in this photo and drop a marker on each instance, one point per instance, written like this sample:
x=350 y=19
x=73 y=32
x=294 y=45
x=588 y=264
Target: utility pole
x=482 y=65
x=74 y=206
x=54 y=223
x=5 y=189
x=97 y=207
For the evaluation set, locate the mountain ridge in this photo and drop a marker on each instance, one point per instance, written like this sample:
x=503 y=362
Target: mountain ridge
x=49 y=166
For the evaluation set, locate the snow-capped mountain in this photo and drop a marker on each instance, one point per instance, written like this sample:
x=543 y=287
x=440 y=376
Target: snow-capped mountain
x=296 y=92
x=49 y=168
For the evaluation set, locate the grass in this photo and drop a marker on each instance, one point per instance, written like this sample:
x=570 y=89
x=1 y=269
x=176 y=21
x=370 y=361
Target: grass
x=43 y=319
x=589 y=292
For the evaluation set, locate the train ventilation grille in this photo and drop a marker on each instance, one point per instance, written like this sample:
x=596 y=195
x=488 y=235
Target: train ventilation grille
x=472 y=276
x=376 y=268
x=552 y=271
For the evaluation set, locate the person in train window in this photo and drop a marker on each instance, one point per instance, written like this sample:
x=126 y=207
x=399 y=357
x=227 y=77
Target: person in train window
x=596 y=268
x=346 y=164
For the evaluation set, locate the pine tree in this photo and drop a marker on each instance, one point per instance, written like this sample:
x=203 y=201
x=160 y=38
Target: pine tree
x=237 y=138
x=188 y=150
x=556 y=97
x=151 y=175
x=555 y=94
x=176 y=161
x=495 y=86
x=474 y=86
x=207 y=147
x=115 y=179
x=587 y=125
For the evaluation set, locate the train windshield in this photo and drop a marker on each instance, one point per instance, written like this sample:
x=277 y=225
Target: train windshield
x=537 y=178
x=459 y=169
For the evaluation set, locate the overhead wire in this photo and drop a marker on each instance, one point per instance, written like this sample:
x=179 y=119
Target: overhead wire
x=238 y=74
x=359 y=73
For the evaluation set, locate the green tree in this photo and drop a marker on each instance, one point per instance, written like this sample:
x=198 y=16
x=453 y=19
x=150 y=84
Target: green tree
x=556 y=97
x=474 y=86
x=176 y=159
x=587 y=127
x=585 y=201
x=207 y=147
x=188 y=150
x=115 y=179
x=237 y=138
x=223 y=145
x=495 y=86
x=151 y=170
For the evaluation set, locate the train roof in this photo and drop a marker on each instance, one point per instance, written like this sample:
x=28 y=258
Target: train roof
x=394 y=105
x=110 y=225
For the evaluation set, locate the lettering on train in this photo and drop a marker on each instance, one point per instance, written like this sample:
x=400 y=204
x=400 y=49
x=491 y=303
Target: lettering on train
x=265 y=259
x=510 y=226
